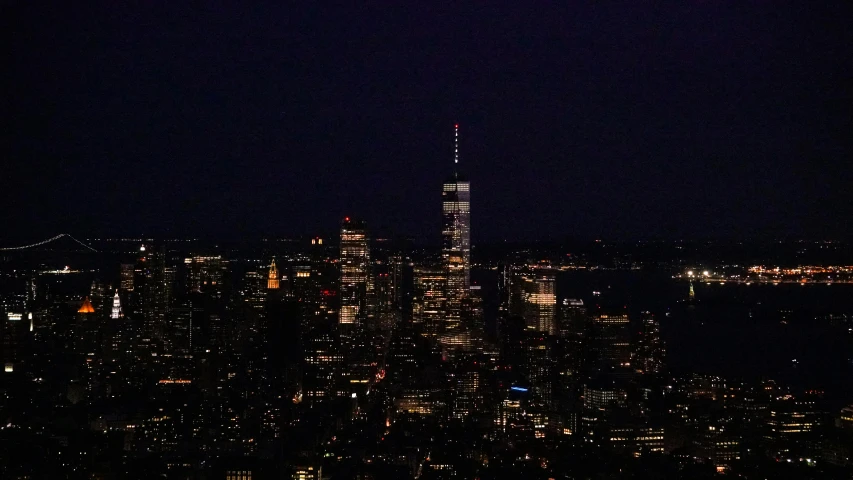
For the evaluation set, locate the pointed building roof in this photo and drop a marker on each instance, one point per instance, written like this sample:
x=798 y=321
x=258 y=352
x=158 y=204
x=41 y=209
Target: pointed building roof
x=116 y=313
x=272 y=279
x=86 y=307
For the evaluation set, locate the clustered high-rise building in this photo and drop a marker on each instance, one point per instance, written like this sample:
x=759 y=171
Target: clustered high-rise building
x=366 y=358
x=355 y=265
x=456 y=235
x=536 y=301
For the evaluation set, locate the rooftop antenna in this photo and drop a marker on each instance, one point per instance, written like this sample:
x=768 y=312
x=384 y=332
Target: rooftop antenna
x=456 y=144
x=456 y=151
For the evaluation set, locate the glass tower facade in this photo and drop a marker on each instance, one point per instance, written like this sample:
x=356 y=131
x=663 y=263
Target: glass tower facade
x=538 y=302
x=355 y=262
x=456 y=237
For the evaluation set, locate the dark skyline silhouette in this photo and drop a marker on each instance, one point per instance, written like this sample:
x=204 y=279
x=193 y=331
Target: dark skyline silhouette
x=625 y=120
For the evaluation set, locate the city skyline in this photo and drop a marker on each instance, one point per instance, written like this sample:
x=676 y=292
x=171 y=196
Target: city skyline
x=285 y=359
x=567 y=240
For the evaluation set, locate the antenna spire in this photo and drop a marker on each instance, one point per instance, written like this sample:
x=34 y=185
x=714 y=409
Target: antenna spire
x=456 y=144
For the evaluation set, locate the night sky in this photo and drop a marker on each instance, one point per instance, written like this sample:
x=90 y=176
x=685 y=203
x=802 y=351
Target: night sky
x=615 y=120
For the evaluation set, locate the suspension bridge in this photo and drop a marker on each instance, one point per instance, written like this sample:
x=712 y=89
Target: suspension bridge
x=44 y=242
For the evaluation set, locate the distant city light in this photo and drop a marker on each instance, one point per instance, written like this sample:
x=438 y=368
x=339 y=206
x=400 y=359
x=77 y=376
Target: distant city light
x=185 y=369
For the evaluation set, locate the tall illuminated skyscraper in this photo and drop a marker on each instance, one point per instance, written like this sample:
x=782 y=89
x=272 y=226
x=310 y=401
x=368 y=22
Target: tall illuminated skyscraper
x=273 y=280
x=456 y=232
x=114 y=334
x=355 y=262
x=116 y=311
x=536 y=301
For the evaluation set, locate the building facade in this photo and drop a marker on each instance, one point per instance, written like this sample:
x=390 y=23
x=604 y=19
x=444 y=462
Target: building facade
x=355 y=275
x=456 y=235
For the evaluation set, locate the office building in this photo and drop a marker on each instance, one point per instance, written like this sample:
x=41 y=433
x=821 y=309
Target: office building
x=254 y=289
x=601 y=395
x=205 y=273
x=571 y=318
x=429 y=300
x=718 y=444
x=650 y=348
x=322 y=366
x=610 y=341
x=116 y=310
x=792 y=419
x=273 y=278
x=126 y=282
x=13 y=330
x=307 y=472
x=156 y=297
x=535 y=299
x=456 y=233
x=354 y=272
x=845 y=419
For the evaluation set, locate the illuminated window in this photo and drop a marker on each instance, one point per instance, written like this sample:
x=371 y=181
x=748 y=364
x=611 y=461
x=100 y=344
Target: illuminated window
x=238 y=475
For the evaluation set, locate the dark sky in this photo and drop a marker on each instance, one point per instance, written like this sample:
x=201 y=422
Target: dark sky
x=620 y=119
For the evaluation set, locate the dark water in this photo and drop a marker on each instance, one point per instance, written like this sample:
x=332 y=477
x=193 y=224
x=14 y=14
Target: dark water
x=759 y=330
x=733 y=330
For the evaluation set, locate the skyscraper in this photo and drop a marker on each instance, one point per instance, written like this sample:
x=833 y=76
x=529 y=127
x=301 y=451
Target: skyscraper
x=114 y=333
x=156 y=293
x=205 y=273
x=13 y=331
x=322 y=364
x=116 y=311
x=650 y=348
x=127 y=277
x=355 y=262
x=253 y=290
x=611 y=340
x=273 y=280
x=456 y=232
x=536 y=301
